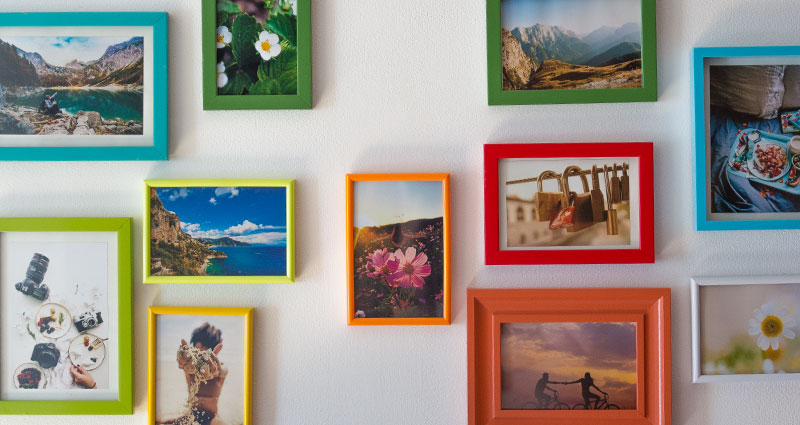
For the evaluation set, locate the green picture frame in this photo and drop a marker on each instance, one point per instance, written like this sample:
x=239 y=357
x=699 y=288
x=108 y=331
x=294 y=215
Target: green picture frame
x=497 y=96
x=124 y=404
x=214 y=101
x=288 y=184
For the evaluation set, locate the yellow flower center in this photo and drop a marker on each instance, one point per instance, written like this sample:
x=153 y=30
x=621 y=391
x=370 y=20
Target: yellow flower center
x=220 y=39
x=771 y=326
x=771 y=354
x=265 y=46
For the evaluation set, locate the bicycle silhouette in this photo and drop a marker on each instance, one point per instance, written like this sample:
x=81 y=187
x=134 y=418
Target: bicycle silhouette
x=599 y=404
x=553 y=404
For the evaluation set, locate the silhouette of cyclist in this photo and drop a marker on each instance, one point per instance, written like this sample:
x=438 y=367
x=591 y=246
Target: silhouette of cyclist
x=586 y=384
x=543 y=398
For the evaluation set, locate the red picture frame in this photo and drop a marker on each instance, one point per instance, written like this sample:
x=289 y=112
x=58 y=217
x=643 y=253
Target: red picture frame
x=493 y=153
x=487 y=309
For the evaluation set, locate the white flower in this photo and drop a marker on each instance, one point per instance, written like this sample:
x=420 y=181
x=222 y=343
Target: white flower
x=294 y=6
x=267 y=45
x=770 y=325
x=224 y=36
x=360 y=313
x=222 y=79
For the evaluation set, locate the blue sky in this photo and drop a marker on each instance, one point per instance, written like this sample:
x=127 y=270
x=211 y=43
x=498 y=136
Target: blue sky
x=581 y=16
x=386 y=202
x=60 y=50
x=256 y=215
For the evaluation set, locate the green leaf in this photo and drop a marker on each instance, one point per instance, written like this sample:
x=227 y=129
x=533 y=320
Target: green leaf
x=285 y=26
x=245 y=33
x=288 y=82
x=237 y=84
x=285 y=61
x=222 y=18
x=263 y=71
x=264 y=87
x=228 y=6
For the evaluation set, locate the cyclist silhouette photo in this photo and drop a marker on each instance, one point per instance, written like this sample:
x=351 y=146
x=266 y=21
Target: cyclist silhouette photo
x=586 y=386
x=543 y=398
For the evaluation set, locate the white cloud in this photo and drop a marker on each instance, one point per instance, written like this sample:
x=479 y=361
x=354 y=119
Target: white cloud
x=232 y=191
x=248 y=226
x=266 y=238
x=190 y=227
x=213 y=201
x=179 y=193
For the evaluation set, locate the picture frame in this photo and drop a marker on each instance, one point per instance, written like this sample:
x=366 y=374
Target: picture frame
x=489 y=311
x=422 y=296
x=302 y=99
x=272 y=259
x=211 y=315
x=736 y=303
x=136 y=129
x=550 y=93
x=739 y=199
x=523 y=236
x=115 y=234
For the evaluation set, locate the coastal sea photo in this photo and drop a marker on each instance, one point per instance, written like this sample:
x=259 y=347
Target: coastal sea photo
x=64 y=85
x=219 y=231
x=571 y=44
x=399 y=245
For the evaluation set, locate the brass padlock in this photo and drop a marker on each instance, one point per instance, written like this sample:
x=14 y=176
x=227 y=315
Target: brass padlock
x=547 y=202
x=625 y=183
x=615 y=186
x=582 y=201
x=598 y=203
x=612 y=226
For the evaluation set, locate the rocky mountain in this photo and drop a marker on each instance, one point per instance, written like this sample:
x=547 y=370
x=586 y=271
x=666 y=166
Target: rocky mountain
x=544 y=42
x=224 y=241
x=16 y=71
x=179 y=253
x=624 y=51
x=517 y=66
x=605 y=38
x=121 y=55
x=75 y=64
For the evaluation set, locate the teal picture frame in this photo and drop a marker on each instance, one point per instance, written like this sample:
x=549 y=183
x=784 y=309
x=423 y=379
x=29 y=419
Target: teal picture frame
x=214 y=101
x=124 y=404
x=158 y=151
x=497 y=96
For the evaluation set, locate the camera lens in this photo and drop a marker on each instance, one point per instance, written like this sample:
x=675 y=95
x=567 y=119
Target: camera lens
x=91 y=322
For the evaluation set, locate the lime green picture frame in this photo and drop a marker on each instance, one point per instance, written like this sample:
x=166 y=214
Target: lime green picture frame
x=497 y=96
x=213 y=101
x=290 y=237
x=124 y=404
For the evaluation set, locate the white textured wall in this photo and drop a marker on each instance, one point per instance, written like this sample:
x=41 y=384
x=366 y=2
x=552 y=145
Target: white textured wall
x=400 y=86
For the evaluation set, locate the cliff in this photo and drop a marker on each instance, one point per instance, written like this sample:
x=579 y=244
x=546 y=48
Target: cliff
x=517 y=66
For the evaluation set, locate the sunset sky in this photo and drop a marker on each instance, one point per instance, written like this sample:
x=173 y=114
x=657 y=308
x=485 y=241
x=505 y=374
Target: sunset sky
x=567 y=351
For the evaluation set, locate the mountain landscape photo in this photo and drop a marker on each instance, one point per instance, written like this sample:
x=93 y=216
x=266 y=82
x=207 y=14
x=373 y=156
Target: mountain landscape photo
x=71 y=85
x=571 y=44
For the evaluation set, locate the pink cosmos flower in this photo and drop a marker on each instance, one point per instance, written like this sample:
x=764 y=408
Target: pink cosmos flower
x=377 y=263
x=409 y=269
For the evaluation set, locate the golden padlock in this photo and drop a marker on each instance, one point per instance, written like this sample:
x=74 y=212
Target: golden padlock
x=625 y=184
x=547 y=202
x=612 y=226
x=598 y=203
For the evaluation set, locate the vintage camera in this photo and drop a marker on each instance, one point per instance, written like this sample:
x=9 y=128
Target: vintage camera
x=88 y=320
x=32 y=285
x=46 y=354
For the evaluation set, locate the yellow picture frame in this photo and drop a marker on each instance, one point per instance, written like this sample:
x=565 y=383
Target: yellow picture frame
x=154 y=311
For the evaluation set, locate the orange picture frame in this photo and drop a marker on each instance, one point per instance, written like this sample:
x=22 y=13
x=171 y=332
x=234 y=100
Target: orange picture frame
x=444 y=178
x=649 y=308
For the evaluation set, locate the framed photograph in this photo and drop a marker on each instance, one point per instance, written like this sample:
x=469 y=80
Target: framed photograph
x=65 y=316
x=745 y=328
x=219 y=231
x=569 y=356
x=747 y=169
x=256 y=54
x=199 y=365
x=83 y=86
x=398 y=249
x=571 y=51
x=568 y=203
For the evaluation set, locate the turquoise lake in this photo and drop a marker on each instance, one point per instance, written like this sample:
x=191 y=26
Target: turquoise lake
x=249 y=261
x=123 y=104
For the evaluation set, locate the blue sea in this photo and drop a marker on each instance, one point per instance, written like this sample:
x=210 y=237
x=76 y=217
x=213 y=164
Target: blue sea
x=249 y=261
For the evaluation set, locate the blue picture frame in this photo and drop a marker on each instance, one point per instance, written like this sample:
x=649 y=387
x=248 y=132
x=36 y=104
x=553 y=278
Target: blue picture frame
x=702 y=214
x=159 y=149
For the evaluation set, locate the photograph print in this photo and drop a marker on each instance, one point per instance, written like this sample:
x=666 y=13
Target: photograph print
x=201 y=363
x=59 y=338
x=219 y=233
x=568 y=366
x=399 y=249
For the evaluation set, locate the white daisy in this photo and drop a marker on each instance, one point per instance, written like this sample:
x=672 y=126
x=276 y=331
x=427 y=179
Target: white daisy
x=222 y=78
x=224 y=36
x=267 y=45
x=770 y=325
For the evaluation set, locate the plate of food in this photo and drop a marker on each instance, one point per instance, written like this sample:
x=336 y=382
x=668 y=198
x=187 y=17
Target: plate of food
x=769 y=160
x=29 y=376
x=53 y=320
x=87 y=350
